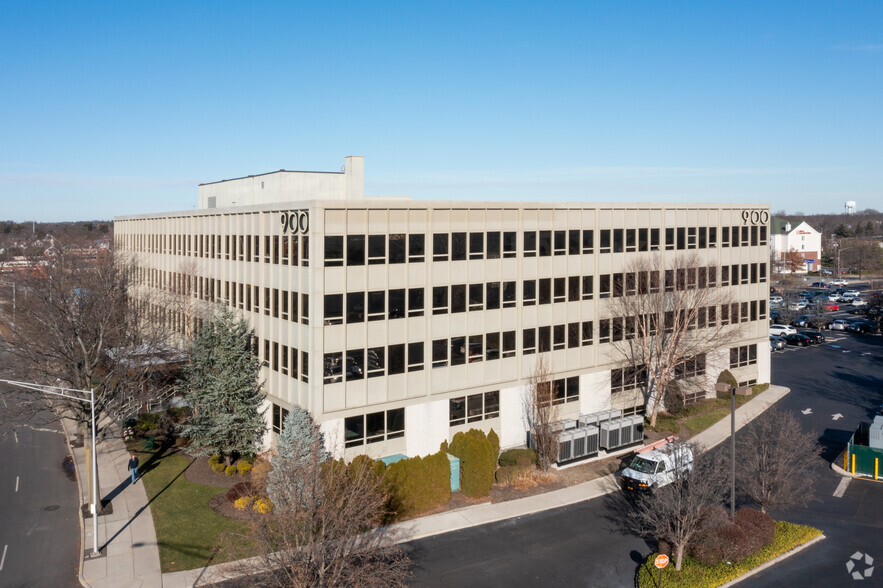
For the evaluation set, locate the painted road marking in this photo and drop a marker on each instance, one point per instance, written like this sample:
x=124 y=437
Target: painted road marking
x=15 y=434
x=807 y=411
x=3 y=559
x=16 y=483
x=841 y=487
x=846 y=351
x=837 y=416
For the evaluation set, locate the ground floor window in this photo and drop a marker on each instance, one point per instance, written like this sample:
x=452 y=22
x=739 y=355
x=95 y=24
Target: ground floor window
x=743 y=355
x=475 y=407
x=279 y=415
x=374 y=427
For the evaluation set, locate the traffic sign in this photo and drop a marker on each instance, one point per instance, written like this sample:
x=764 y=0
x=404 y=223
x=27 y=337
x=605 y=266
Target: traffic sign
x=661 y=561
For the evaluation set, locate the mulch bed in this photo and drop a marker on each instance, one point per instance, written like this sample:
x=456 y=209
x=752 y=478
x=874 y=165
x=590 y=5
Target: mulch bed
x=220 y=505
x=200 y=472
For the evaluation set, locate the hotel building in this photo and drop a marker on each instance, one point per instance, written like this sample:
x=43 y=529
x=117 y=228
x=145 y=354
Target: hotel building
x=398 y=323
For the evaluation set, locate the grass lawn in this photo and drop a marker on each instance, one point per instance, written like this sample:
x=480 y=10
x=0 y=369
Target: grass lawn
x=698 y=417
x=189 y=533
x=693 y=574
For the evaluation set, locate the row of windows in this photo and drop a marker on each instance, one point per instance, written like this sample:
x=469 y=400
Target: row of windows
x=374 y=427
x=284 y=359
x=474 y=408
x=743 y=355
x=628 y=378
x=276 y=249
x=373 y=362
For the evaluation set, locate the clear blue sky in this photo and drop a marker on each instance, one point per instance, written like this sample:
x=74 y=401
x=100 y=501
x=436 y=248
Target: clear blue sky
x=125 y=107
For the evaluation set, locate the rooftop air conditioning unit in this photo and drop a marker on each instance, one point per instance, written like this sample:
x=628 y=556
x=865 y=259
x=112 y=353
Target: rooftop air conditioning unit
x=565 y=446
x=592 y=433
x=875 y=433
x=610 y=435
x=579 y=443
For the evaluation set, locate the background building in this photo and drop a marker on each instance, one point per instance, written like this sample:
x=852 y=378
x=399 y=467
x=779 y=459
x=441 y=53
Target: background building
x=398 y=323
x=803 y=239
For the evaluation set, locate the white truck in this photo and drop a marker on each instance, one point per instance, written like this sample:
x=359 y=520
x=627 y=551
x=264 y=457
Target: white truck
x=657 y=466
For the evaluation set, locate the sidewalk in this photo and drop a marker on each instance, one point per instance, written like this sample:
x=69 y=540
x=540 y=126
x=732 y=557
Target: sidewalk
x=126 y=537
x=482 y=514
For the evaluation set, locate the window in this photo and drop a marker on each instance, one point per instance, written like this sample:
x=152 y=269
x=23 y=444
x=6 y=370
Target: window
x=440 y=300
x=355 y=364
x=476 y=245
x=560 y=242
x=654 y=239
x=332 y=368
x=643 y=240
x=528 y=341
x=588 y=287
x=333 y=308
x=725 y=236
x=476 y=348
x=415 y=302
x=355 y=250
x=396 y=359
x=374 y=427
x=493 y=245
x=763 y=230
x=573 y=245
x=573 y=289
x=305 y=257
x=604 y=331
x=376 y=361
x=558 y=337
x=458 y=246
x=376 y=305
x=279 y=416
x=509 y=344
x=509 y=296
x=529 y=293
x=458 y=350
x=440 y=247
x=376 y=249
x=586 y=333
x=627 y=378
x=617 y=241
x=492 y=346
x=682 y=238
x=416 y=253
x=473 y=408
x=545 y=243
x=476 y=296
x=560 y=290
x=510 y=246
x=397 y=303
x=458 y=298
x=439 y=353
x=694 y=366
x=605 y=241
x=572 y=335
x=305 y=309
x=743 y=355
x=669 y=239
x=355 y=307
x=530 y=244
x=492 y=295
x=545 y=288
x=397 y=248
x=333 y=251
x=604 y=286
x=415 y=356
x=588 y=241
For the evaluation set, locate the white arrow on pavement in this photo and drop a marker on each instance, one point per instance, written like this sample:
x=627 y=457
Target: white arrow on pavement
x=837 y=416
x=807 y=411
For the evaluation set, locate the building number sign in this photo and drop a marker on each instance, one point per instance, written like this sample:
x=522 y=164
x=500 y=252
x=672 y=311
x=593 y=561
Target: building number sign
x=296 y=222
x=755 y=217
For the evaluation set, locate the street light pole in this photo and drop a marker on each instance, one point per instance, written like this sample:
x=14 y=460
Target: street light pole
x=732 y=452
x=73 y=394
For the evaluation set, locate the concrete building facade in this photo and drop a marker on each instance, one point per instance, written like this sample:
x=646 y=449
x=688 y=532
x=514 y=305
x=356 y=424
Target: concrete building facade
x=803 y=239
x=398 y=323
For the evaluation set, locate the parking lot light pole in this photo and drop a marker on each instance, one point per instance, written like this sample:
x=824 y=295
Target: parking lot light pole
x=78 y=395
x=732 y=452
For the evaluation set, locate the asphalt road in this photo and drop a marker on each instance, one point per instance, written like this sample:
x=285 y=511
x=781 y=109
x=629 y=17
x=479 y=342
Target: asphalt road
x=39 y=529
x=581 y=545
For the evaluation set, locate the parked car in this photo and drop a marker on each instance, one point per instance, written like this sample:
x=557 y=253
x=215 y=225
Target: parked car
x=780 y=330
x=838 y=325
x=656 y=468
x=839 y=282
x=863 y=327
x=852 y=293
x=776 y=300
x=816 y=336
x=831 y=306
x=859 y=302
x=798 y=339
x=799 y=305
x=802 y=321
x=777 y=343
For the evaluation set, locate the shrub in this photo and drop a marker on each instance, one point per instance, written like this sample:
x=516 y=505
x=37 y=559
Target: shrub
x=737 y=544
x=238 y=490
x=758 y=388
x=418 y=484
x=219 y=468
x=230 y=470
x=511 y=474
x=521 y=457
x=756 y=523
x=727 y=378
x=243 y=467
x=147 y=421
x=214 y=459
x=494 y=440
x=477 y=462
x=178 y=414
x=262 y=505
x=243 y=503
x=673 y=399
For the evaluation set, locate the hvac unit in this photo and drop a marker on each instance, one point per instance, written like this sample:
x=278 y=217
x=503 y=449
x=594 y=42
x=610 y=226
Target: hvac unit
x=875 y=433
x=625 y=431
x=637 y=426
x=588 y=420
x=591 y=440
x=579 y=443
x=563 y=425
x=565 y=446
x=610 y=437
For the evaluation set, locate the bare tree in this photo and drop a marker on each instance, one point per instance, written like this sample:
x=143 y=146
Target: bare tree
x=776 y=461
x=74 y=327
x=663 y=322
x=794 y=261
x=542 y=412
x=861 y=255
x=676 y=512
x=326 y=531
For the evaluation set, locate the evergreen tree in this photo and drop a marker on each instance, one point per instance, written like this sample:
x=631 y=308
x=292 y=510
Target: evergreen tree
x=301 y=447
x=221 y=385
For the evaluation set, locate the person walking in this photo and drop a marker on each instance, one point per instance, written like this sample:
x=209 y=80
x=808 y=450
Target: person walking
x=133 y=467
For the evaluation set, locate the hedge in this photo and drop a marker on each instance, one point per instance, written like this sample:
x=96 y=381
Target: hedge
x=521 y=457
x=418 y=484
x=478 y=461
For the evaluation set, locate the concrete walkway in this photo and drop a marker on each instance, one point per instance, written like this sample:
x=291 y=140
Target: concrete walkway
x=482 y=514
x=126 y=537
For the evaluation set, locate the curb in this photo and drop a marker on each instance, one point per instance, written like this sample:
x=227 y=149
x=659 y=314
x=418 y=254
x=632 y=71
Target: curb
x=67 y=440
x=774 y=561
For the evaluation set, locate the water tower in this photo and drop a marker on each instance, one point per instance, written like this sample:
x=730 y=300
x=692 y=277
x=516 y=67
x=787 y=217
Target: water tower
x=849 y=207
